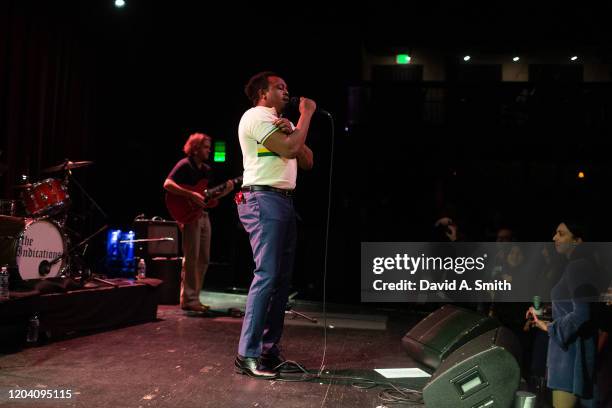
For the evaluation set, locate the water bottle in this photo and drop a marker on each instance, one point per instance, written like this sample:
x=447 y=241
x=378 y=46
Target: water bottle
x=4 y=284
x=537 y=305
x=33 y=327
x=524 y=399
x=142 y=269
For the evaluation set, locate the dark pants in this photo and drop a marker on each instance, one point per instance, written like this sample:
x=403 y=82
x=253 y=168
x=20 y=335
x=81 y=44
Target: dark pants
x=196 y=257
x=269 y=219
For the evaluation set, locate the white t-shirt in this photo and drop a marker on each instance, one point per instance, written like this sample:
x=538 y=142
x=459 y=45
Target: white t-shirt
x=262 y=166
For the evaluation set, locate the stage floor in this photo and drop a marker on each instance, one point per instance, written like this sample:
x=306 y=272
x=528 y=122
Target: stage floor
x=187 y=361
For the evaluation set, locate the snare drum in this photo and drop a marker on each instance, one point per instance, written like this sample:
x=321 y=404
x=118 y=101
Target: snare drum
x=46 y=197
x=30 y=242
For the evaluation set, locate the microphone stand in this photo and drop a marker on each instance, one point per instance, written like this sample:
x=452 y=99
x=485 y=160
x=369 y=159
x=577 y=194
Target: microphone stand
x=289 y=310
x=45 y=266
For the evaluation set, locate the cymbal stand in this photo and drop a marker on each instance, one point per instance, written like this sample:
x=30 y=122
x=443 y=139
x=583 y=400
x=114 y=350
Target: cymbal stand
x=69 y=178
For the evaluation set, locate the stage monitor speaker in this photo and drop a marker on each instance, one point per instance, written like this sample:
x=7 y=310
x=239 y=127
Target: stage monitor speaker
x=150 y=229
x=169 y=271
x=444 y=331
x=483 y=373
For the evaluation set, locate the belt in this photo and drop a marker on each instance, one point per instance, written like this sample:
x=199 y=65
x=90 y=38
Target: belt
x=286 y=193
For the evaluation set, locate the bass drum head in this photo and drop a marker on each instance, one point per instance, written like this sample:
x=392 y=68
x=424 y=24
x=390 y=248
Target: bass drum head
x=41 y=240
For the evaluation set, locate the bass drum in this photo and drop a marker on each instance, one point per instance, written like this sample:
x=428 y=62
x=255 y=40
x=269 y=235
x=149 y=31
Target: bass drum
x=31 y=242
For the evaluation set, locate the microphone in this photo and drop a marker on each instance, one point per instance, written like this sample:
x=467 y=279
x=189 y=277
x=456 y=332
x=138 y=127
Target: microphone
x=295 y=101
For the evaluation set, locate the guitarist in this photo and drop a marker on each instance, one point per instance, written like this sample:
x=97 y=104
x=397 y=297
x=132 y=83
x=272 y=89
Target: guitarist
x=272 y=151
x=188 y=172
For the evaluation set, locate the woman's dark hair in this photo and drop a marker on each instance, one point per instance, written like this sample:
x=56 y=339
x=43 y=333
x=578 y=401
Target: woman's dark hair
x=256 y=83
x=576 y=226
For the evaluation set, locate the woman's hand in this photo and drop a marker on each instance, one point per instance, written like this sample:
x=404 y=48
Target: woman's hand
x=536 y=322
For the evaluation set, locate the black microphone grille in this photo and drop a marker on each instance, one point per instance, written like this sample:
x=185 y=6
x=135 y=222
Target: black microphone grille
x=294 y=101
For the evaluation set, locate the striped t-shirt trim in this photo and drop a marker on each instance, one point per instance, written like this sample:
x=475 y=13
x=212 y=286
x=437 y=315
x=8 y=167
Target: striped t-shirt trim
x=267 y=135
x=263 y=152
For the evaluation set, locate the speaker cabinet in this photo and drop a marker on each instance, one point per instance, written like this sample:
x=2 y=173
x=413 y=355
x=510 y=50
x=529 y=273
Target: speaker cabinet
x=482 y=373
x=169 y=271
x=150 y=229
x=444 y=331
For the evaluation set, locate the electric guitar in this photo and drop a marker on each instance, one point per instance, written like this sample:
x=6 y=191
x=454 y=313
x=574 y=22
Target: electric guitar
x=184 y=211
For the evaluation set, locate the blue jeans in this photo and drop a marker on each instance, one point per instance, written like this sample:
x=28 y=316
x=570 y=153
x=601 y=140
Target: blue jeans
x=269 y=219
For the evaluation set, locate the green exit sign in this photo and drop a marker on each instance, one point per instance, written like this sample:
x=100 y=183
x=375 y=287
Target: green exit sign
x=219 y=151
x=402 y=59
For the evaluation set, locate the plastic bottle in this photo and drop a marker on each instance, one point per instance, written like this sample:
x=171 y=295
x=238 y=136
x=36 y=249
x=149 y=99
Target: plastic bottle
x=537 y=305
x=4 y=284
x=33 y=328
x=142 y=269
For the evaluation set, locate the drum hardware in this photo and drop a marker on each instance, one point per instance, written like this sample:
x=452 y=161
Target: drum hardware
x=46 y=197
x=9 y=207
x=67 y=165
x=69 y=179
x=45 y=266
x=39 y=246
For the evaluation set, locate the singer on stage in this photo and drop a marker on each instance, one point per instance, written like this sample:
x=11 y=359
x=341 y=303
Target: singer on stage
x=272 y=149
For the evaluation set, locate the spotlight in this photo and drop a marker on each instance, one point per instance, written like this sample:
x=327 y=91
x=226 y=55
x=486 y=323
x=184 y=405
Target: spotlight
x=467 y=58
x=119 y=3
x=516 y=59
x=574 y=58
x=581 y=175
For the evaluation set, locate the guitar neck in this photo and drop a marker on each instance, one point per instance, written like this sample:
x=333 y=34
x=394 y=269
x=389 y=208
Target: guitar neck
x=216 y=190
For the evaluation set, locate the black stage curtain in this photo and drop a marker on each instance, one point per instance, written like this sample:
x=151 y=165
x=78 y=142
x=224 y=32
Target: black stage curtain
x=46 y=91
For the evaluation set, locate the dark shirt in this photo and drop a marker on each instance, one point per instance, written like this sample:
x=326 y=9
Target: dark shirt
x=187 y=172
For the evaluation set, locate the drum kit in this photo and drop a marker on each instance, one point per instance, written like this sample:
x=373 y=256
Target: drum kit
x=35 y=239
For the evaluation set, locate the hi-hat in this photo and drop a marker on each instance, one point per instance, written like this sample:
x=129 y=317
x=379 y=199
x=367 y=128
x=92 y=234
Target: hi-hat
x=67 y=165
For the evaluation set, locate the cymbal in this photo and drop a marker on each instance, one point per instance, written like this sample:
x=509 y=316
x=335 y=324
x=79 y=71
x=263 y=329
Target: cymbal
x=69 y=165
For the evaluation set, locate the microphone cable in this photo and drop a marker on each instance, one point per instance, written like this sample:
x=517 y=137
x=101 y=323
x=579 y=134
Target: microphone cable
x=393 y=394
x=325 y=261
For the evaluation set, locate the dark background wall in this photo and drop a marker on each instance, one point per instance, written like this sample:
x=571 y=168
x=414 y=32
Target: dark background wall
x=124 y=88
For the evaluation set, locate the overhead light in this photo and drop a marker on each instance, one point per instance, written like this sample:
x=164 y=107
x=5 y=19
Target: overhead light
x=119 y=3
x=467 y=58
x=516 y=59
x=574 y=58
x=581 y=175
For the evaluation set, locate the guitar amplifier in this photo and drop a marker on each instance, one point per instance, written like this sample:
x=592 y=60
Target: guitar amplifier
x=169 y=271
x=152 y=229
